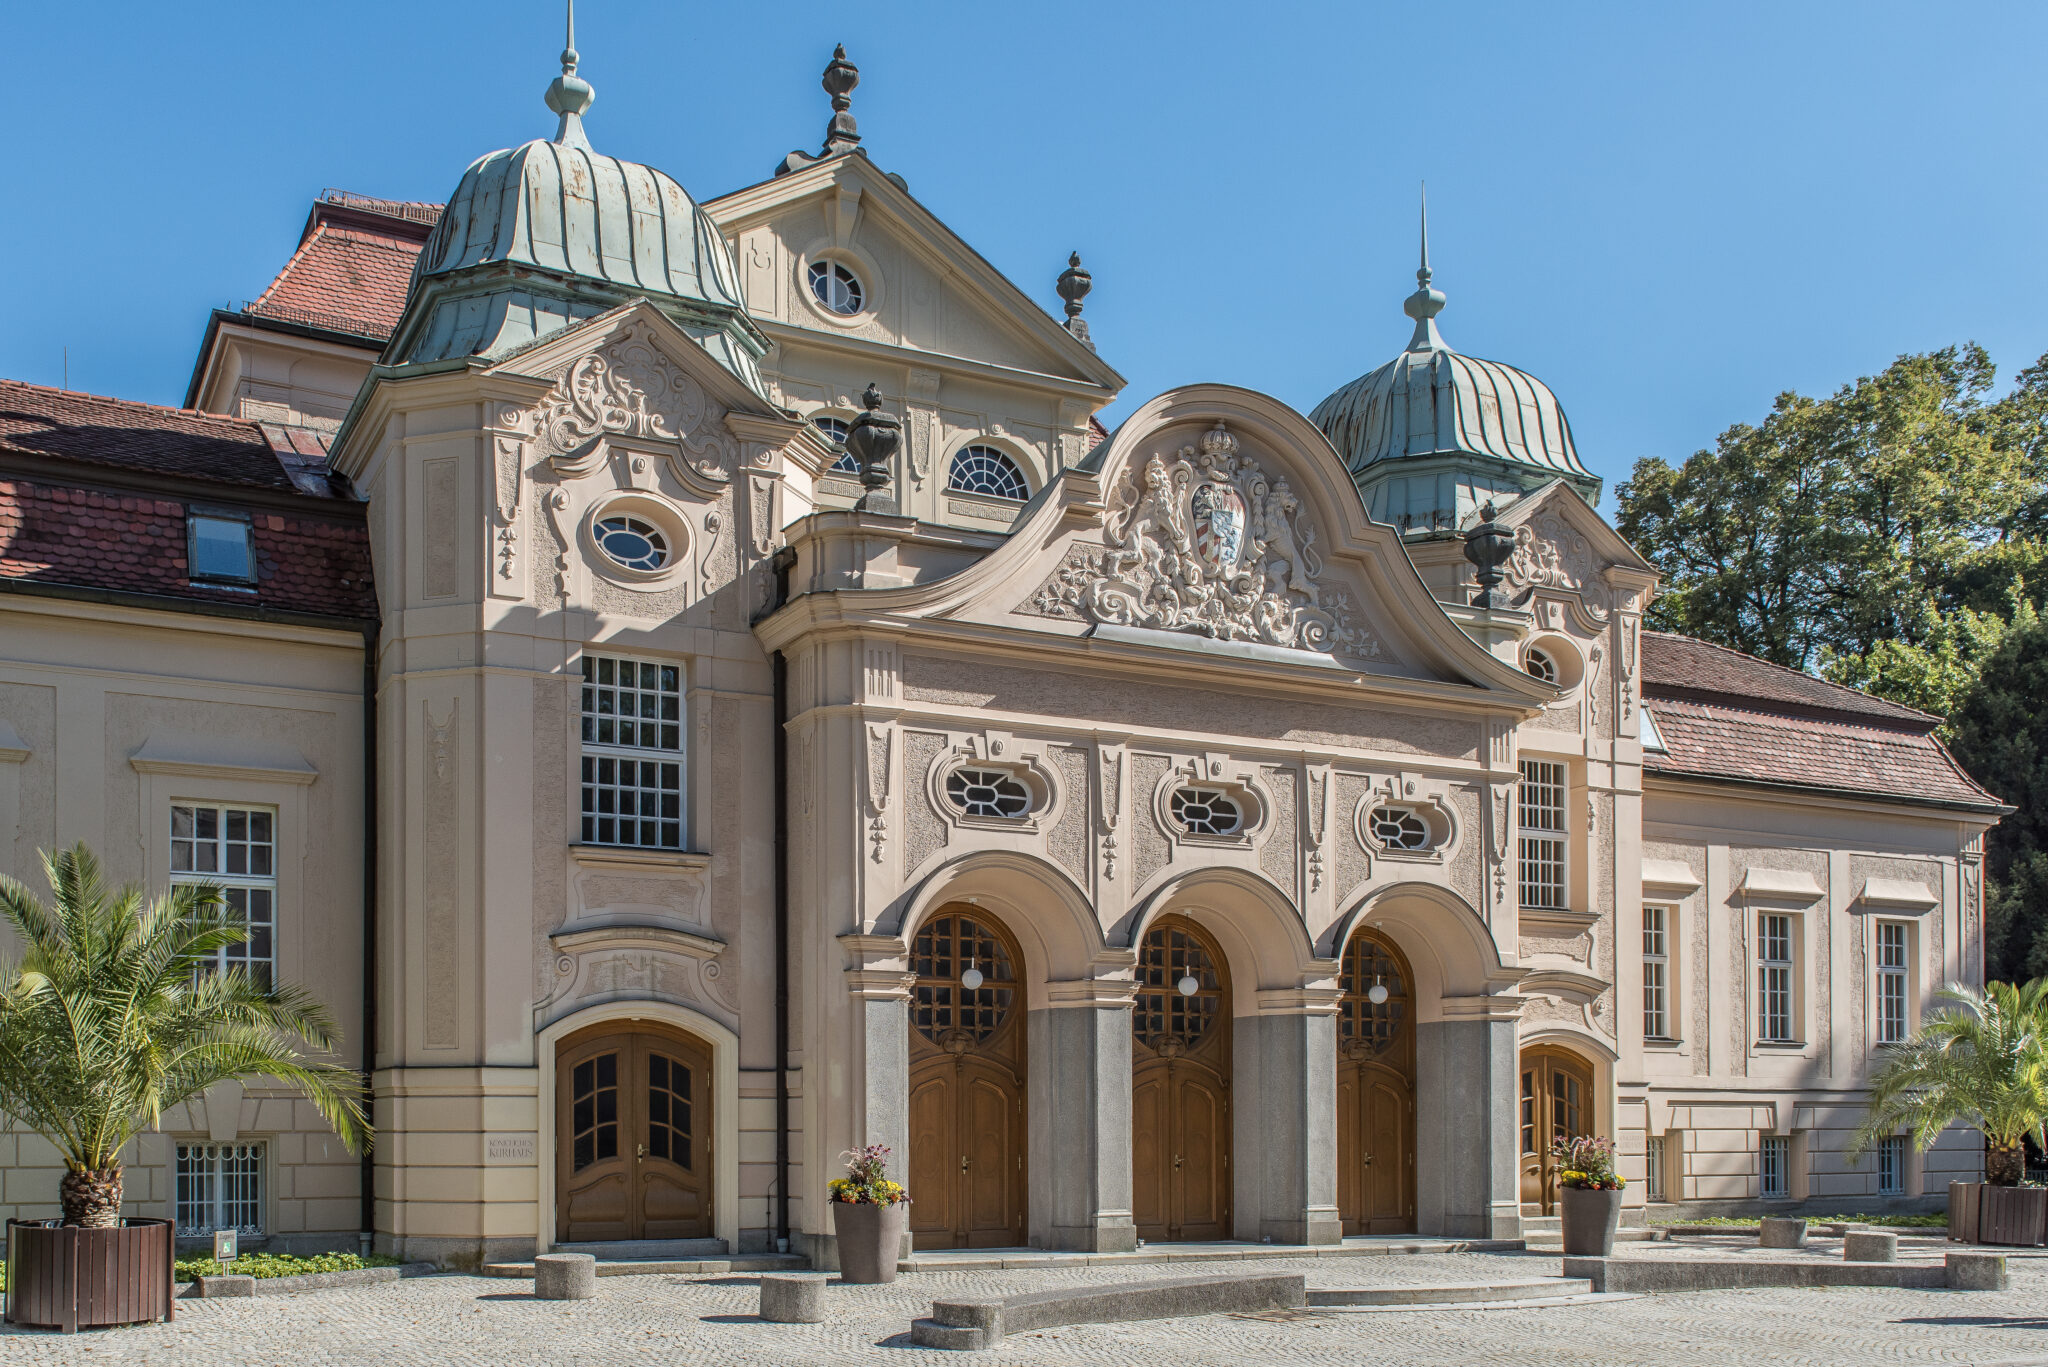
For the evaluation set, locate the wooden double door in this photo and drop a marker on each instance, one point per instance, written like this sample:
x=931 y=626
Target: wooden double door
x=1180 y=1086
x=632 y=1136
x=967 y=1134
x=1375 y=1089
x=1556 y=1103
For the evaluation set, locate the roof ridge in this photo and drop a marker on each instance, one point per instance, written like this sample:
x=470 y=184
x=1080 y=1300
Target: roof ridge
x=245 y=424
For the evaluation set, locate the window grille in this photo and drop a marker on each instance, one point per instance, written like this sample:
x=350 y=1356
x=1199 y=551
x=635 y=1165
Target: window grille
x=1656 y=973
x=985 y=470
x=1775 y=1153
x=1542 y=835
x=235 y=849
x=1400 y=828
x=632 y=753
x=1204 y=811
x=1891 y=982
x=220 y=1186
x=1891 y=1165
x=987 y=792
x=1774 y=978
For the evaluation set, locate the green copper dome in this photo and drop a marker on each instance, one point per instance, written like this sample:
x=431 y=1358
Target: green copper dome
x=539 y=236
x=1432 y=435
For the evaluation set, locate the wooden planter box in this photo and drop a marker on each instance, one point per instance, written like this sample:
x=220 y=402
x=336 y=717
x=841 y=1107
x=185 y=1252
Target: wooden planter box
x=1979 y=1213
x=65 y=1277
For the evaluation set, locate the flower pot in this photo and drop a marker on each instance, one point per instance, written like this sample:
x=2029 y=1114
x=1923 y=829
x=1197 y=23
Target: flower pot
x=1590 y=1218
x=67 y=1277
x=870 y=1238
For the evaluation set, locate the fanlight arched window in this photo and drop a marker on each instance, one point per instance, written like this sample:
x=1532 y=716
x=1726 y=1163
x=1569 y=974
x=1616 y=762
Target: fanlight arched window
x=836 y=428
x=988 y=792
x=1206 y=811
x=986 y=471
x=946 y=1009
x=1373 y=1015
x=1538 y=662
x=1166 y=1018
x=837 y=288
x=632 y=542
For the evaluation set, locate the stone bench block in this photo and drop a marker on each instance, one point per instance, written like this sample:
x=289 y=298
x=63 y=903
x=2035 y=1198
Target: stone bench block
x=1781 y=1231
x=981 y=1321
x=1652 y=1276
x=1976 y=1271
x=797 y=1298
x=564 y=1277
x=226 y=1284
x=1870 y=1246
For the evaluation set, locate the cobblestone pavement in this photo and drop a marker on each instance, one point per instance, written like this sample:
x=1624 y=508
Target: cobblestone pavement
x=451 y=1320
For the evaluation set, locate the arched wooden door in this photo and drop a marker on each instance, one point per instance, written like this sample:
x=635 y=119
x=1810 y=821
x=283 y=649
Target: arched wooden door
x=1557 y=1103
x=1375 y=1089
x=632 y=1136
x=966 y=1086
x=1180 y=1086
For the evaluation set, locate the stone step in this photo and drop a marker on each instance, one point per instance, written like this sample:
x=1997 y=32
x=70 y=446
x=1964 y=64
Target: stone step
x=686 y=1267
x=1542 y=1238
x=997 y=1259
x=647 y=1250
x=1463 y=1293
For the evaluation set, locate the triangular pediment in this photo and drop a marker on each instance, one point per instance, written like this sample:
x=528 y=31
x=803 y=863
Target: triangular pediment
x=927 y=289
x=1563 y=546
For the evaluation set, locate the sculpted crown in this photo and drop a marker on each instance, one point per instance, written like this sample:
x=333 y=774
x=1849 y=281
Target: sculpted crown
x=1217 y=443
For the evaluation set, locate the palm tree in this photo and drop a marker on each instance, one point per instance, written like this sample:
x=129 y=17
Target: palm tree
x=1984 y=1061
x=115 y=1011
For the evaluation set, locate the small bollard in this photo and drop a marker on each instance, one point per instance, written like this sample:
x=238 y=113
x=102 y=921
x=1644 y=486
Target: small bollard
x=564 y=1277
x=793 y=1298
x=1870 y=1246
x=1781 y=1231
x=1975 y=1271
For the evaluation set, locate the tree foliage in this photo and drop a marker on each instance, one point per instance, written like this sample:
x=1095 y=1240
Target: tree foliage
x=114 y=1013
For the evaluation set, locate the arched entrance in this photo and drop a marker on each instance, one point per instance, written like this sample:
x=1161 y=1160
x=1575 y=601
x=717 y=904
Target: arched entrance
x=1180 y=1086
x=966 y=1085
x=632 y=1135
x=1556 y=1103
x=1375 y=1089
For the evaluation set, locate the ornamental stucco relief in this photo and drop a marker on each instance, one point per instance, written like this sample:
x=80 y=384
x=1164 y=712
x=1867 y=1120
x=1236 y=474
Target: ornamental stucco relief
x=630 y=388
x=1550 y=554
x=1204 y=542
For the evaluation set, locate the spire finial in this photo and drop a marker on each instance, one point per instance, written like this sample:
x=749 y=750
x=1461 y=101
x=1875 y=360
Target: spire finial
x=1074 y=284
x=842 y=134
x=569 y=94
x=1426 y=303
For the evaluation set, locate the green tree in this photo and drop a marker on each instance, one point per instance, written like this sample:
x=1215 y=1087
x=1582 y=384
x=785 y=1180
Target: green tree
x=114 y=1012
x=1999 y=733
x=1984 y=1060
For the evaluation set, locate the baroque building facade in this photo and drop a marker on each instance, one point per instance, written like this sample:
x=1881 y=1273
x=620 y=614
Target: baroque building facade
x=1165 y=834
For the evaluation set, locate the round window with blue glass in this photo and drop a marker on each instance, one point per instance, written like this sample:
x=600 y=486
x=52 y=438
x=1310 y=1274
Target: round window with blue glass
x=632 y=543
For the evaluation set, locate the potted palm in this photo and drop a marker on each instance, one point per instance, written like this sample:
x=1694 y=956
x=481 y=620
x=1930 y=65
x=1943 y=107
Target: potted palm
x=868 y=1213
x=112 y=1013
x=1589 y=1194
x=1982 y=1059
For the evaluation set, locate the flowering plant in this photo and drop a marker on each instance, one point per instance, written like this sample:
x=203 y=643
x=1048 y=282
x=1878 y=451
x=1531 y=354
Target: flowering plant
x=1586 y=1163
x=864 y=1183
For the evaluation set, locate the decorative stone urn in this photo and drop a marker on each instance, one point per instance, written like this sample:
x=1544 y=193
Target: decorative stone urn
x=870 y=1237
x=1589 y=1216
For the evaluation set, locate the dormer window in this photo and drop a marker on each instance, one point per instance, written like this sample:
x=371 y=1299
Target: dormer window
x=1206 y=811
x=837 y=288
x=218 y=548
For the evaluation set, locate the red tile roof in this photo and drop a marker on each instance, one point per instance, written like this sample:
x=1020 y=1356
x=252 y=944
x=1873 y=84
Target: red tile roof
x=343 y=280
x=1730 y=716
x=39 y=421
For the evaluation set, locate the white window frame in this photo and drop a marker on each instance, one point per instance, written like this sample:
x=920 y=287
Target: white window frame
x=659 y=769
x=1892 y=999
x=202 y=848
x=1774 y=1167
x=1659 y=921
x=213 y=1183
x=1891 y=1165
x=1543 y=835
x=1777 y=977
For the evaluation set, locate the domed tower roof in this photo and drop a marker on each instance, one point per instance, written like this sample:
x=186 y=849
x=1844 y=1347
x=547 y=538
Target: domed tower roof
x=541 y=235
x=1433 y=434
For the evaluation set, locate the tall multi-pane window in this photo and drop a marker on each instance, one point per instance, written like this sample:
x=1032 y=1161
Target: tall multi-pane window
x=632 y=752
x=235 y=849
x=1657 y=972
x=1891 y=1165
x=1775 y=1154
x=220 y=1186
x=1773 y=978
x=1891 y=982
x=1653 y=1156
x=1542 y=839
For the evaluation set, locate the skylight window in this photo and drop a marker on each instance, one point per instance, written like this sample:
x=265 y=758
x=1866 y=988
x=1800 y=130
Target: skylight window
x=218 y=548
x=1647 y=732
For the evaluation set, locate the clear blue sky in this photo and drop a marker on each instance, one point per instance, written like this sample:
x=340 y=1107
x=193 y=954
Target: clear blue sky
x=1669 y=213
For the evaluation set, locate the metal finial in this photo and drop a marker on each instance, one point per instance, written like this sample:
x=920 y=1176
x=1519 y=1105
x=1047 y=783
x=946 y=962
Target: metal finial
x=1427 y=302
x=1074 y=284
x=569 y=94
x=842 y=134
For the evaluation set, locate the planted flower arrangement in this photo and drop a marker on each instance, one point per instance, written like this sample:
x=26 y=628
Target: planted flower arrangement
x=1589 y=1196
x=868 y=1215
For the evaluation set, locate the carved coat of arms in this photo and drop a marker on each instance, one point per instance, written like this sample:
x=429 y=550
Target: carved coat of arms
x=1204 y=542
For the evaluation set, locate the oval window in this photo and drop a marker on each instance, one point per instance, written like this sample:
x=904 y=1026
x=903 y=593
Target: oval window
x=1204 y=811
x=1539 y=663
x=987 y=792
x=1400 y=828
x=631 y=542
x=836 y=287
